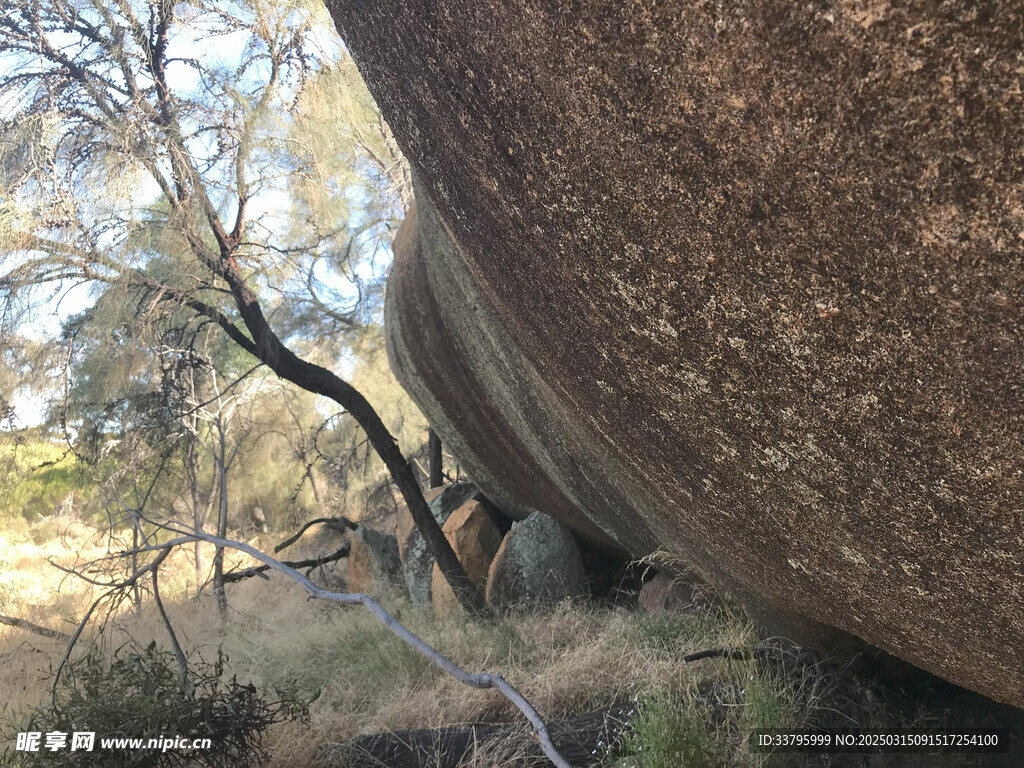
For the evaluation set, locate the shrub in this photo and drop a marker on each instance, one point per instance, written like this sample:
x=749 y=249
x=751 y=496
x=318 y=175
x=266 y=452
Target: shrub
x=137 y=694
x=667 y=732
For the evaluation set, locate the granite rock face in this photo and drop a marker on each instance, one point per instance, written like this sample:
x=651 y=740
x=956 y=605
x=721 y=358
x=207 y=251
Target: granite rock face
x=741 y=283
x=538 y=562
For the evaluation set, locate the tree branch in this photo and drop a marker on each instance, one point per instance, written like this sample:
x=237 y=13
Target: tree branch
x=259 y=570
x=480 y=680
x=344 y=521
x=35 y=629
x=179 y=654
x=318 y=380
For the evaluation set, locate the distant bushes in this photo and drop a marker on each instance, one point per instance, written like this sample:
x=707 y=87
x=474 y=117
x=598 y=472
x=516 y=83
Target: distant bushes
x=37 y=475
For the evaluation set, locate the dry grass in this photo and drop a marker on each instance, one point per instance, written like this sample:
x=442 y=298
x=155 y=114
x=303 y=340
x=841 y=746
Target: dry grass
x=33 y=589
x=568 y=659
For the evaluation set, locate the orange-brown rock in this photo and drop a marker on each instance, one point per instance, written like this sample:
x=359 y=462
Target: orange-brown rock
x=475 y=538
x=417 y=562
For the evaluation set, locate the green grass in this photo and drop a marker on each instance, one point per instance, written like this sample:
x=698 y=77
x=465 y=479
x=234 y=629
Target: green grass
x=711 y=723
x=669 y=732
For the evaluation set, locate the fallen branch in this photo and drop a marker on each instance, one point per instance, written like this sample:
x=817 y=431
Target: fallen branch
x=481 y=680
x=259 y=570
x=28 y=626
x=337 y=521
x=583 y=740
x=725 y=653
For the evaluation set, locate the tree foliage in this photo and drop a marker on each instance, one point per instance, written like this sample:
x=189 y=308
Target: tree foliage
x=131 y=152
x=173 y=157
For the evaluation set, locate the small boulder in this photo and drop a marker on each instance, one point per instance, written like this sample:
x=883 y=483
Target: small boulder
x=475 y=538
x=666 y=592
x=539 y=561
x=372 y=560
x=417 y=562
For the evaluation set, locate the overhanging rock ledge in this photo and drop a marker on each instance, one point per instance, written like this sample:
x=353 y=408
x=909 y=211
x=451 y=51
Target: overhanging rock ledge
x=740 y=283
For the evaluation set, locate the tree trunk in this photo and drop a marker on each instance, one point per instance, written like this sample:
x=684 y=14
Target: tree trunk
x=436 y=479
x=191 y=420
x=222 y=522
x=197 y=513
x=136 y=594
x=268 y=348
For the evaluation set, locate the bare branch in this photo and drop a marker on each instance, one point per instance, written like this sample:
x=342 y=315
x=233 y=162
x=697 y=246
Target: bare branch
x=479 y=680
x=179 y=654
x=259 y=570
x=29 y=626
x=342 y=521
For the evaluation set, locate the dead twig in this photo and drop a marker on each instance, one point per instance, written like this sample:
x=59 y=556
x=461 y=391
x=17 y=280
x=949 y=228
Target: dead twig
x=337 y=521
x=259 y=570
x=740 y=654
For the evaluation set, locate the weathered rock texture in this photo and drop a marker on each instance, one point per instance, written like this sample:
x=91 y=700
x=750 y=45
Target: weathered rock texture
x=737 y=281
x=666 y=593
x=417 y=562
x=475 y=537
x=538 y=562
x=512 y=449
x=373 y=560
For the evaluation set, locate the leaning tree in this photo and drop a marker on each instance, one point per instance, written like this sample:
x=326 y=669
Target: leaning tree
x=179 y=153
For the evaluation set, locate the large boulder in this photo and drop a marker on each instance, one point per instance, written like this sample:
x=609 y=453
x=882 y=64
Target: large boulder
x=417 y=562
x=538 y=562
x=475 y=537
x=741 y=283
